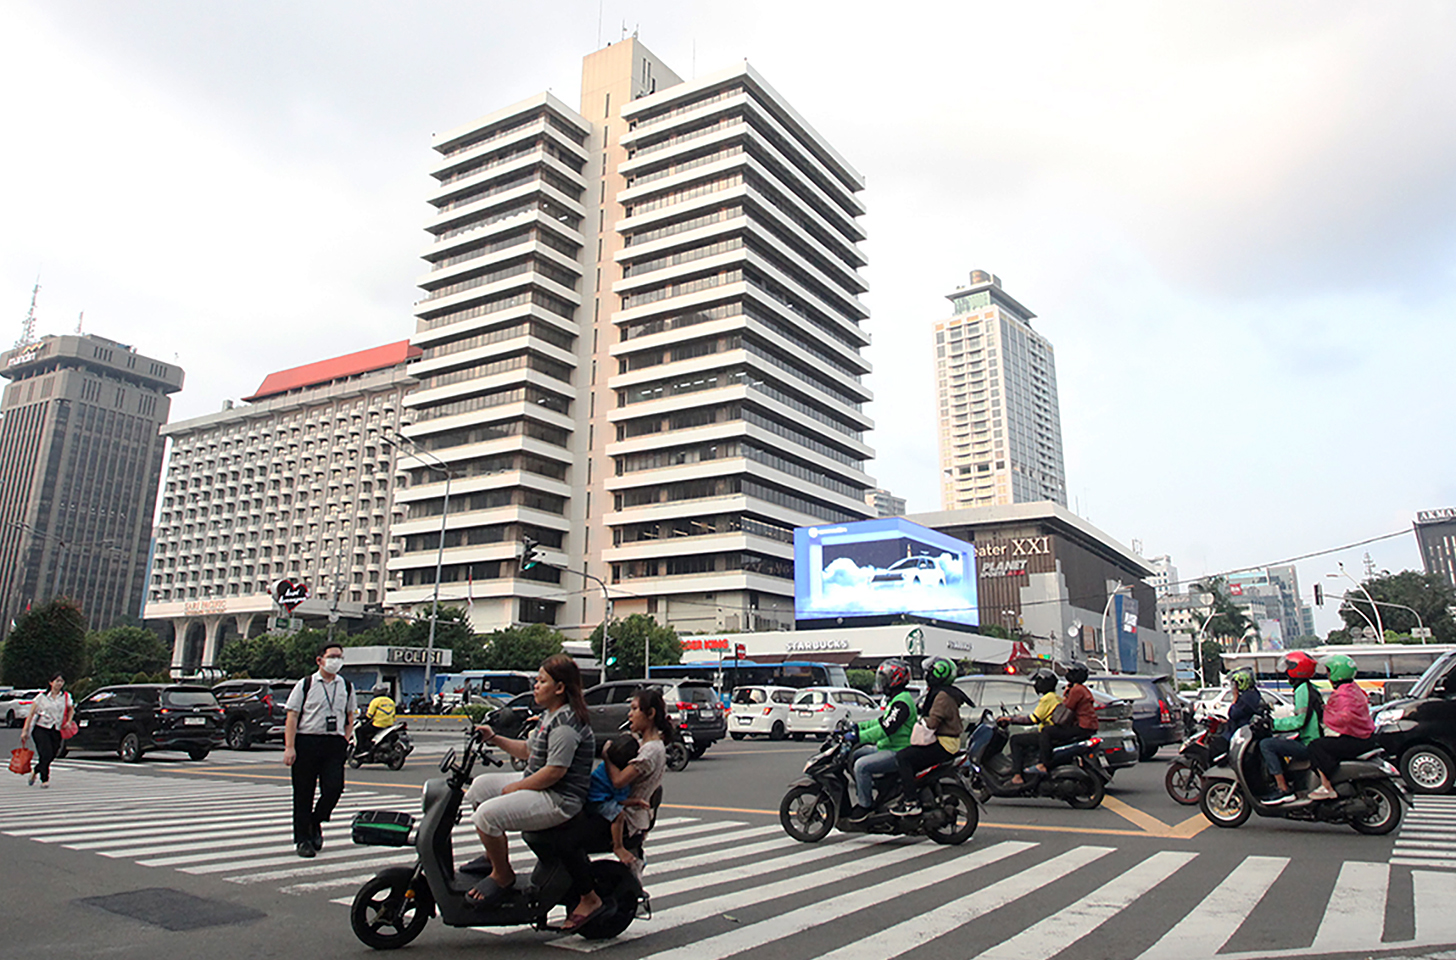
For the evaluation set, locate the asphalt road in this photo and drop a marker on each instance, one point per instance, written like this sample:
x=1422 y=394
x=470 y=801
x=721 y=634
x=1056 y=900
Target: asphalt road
x=1141 y=877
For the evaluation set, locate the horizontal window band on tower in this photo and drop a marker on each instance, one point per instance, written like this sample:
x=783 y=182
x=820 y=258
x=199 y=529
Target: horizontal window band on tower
x=531 y=395
x=653 y=119
x=682 y=226
x=514 y=181
x=725 y=449
x=682 y=194
x=679 y=352
x=480 y=536
x=682 y=287
x=486 y=218
x=704 y=563
x=682 y=256
x=576 y=136
x=486 y=432
x=492 y=466
x=482 y=570
x=681 y=527
x=490 y=500
x=718 y=379
x=496 y=303
x=682 y=166
x=551 y=271
x=516 y=238
x=725 y=413
x=717 y=487
x=520 y=361
x=511 y=331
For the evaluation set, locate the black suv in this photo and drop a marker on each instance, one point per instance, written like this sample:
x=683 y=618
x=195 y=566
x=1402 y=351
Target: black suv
x=254 y=710
x=1157 y=714
x=692 y=704
x=1420 y=730
x=138 y=717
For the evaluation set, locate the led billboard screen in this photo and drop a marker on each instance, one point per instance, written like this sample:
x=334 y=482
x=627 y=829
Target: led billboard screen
x=875 y=568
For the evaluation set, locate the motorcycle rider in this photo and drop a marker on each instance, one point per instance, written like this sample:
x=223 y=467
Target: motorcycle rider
x=1349 y=730
x=1247 y=701
x=1045 y=684
x=882 y=737
x=940 y=713
x=379 y=716
x=1304 y=724
x=1082 y=722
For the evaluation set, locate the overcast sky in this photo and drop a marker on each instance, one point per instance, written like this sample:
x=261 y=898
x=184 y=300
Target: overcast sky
x=1235 y=221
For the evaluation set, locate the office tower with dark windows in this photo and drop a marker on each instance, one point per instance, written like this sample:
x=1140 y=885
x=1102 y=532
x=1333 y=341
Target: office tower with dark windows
x=80 y=461
x=996 y=388
x=642 y=341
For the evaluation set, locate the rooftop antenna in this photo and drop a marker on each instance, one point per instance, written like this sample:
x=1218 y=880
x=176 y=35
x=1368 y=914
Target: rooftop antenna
x=80 y=321
x=27 y=332
x=600 y=4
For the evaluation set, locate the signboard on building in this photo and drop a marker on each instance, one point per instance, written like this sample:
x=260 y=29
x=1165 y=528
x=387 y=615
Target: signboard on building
x=874 y=568
x=417 y=656
x=290 y=593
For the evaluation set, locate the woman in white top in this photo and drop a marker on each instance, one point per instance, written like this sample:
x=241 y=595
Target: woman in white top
x=49 y=711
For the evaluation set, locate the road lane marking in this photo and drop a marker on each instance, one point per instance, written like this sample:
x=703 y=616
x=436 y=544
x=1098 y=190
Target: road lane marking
x=1355 y=912
x=1211 y=924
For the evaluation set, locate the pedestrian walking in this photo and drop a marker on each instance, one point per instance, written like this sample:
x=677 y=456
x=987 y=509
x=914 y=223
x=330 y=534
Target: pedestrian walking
x=49 y=711
x=316 y=741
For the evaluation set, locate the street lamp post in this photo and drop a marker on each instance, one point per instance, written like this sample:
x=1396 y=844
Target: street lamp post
x=1202 y=675
x=1378 y=626
x=439 y=467
x=1106 y=608
x=606 y=619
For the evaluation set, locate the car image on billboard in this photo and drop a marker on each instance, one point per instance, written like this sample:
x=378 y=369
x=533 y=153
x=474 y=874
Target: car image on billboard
x=876 y=568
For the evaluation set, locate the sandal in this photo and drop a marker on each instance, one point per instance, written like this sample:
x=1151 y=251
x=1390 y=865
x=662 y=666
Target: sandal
x=486 y=893
x=578 y=920
x=479 y=866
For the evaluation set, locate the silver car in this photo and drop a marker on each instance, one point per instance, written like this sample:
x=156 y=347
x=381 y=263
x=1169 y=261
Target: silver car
x=816 y=710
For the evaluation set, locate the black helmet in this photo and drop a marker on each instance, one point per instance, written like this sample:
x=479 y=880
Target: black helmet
x=1076 y=673
x=1044 y=681
x=892 y=676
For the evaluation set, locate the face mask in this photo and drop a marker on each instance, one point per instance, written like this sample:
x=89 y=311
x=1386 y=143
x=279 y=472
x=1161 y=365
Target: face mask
x=333 y=664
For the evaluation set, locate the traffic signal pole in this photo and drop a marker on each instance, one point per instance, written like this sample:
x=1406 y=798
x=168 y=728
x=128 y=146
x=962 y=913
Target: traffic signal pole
x=531 y=557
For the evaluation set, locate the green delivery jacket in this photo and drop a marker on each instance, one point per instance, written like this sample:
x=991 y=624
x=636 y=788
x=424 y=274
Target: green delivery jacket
x=1306 y=718
x=891 y=729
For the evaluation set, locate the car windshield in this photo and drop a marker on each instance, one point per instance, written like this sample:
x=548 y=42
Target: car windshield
x=695 y=694
x=1433 y=674
x=188 y=698
x=748 y=695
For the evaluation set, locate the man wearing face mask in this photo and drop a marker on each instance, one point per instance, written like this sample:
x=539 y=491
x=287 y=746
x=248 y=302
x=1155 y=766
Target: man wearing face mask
x=315 y=744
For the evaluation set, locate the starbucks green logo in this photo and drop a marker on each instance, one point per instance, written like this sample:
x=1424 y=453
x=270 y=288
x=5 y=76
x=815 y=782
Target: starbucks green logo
x=915 y=642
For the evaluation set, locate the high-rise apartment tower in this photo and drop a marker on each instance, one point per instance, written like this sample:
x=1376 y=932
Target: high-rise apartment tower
x=642 y=332
x=80 y=460
x=996 y=384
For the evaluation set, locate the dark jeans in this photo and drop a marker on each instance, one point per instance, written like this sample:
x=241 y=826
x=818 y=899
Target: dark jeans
x=1021 y=745
x=47 y=745
x=1325 y=753
x=911 y=761
x=1275 y=748
x=320 y=765
x=570 y=843
x=1054 y=736
x=365 y=734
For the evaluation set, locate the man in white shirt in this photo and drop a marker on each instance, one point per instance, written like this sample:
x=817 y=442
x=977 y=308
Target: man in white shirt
x=315 y=744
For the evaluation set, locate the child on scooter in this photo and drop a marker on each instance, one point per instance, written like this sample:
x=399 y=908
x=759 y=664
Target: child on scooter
x=603 y=797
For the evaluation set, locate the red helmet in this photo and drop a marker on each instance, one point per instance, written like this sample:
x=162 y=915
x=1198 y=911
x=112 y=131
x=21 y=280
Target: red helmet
x=1297 y=665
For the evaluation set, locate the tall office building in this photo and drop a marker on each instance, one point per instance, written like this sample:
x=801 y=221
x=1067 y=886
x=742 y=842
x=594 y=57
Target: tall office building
x=996 y=383
x=641 y=330
x=1436 y=537
x=293 y=484
x=80 y=460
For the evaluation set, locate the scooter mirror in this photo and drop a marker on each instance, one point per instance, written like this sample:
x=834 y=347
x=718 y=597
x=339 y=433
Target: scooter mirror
x=447 y=761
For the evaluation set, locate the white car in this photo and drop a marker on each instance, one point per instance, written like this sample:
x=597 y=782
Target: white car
x=15 y=706
x=915 y=570
x=1219 y=706
x=817 y=709
x=762 y=711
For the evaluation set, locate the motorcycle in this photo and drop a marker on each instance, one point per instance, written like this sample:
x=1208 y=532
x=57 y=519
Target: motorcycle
x=392 y=908
x=1077 y=774
x=821 y=800
x=1369 y=790
x=391 y=746
x=1184 y=779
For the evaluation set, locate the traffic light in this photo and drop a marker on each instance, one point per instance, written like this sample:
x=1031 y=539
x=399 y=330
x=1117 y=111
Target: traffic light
x=530 y=554
x=1319 y=594
x=609 y=656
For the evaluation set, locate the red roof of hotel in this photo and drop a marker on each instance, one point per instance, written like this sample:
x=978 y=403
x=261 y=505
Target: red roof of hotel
x=323 y=371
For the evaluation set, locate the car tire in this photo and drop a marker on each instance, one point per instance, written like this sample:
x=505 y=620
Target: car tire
x=130 y=748
x=799 y=736
x=1146 y=752
x=198 y=753
x=777 y=731
x=10 y=720
x=238 y=736
x=736 y=735
x=1427 y=769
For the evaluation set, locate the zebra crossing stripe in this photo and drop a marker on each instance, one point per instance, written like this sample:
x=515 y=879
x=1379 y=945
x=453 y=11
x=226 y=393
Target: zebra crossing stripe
x=1210 y=925
x=1045 y=939
x=1355 y=913
x=796 y=921
x=1435 y=893
x=906 y=936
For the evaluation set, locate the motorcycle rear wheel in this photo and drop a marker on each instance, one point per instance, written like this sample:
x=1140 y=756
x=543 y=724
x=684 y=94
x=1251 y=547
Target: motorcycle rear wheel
x=396 y=759
x=1184 y=782
x=959 y=808
x=1224 y=804
x=807 y=814
x=1089 y=793
x=386 y=914
x=614 y=883
x=1387 y=809
x=677 y=757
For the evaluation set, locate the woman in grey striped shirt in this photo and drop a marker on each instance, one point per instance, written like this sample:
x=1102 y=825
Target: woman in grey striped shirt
x=558 y=755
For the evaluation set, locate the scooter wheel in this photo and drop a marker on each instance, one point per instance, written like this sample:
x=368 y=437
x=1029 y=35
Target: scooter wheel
x=387 y=913
x=959 y=815
x=354 y=762
x=1184 y=782
x=617 y=887
x=677 y=757
x=396 y=760
x=807 y=814
x=1224 y=804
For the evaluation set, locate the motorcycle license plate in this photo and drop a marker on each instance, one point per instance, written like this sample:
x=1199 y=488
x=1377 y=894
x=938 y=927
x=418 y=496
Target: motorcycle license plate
x=1129 y=744
x=194 y=721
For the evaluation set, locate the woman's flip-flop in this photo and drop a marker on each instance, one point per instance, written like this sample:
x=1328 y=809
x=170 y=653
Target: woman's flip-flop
x=486 y=893
x=480 y=866
x=578 y=920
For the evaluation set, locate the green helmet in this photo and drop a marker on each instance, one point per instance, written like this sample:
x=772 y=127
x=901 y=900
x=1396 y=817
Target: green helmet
x=939 y=670
x=1340 y=668
x=1243 y=678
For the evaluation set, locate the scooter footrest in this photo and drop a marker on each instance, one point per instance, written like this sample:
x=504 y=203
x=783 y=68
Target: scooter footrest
x=644 y=907
x=382 y=828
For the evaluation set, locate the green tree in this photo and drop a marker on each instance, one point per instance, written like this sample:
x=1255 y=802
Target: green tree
x=452 y=632
x=122 y=652
x=1211 y=651
x=48 y=639
x=995 y=630
x=520 y=648
x=633 y=636
x=861 y=679
x=1427 y=594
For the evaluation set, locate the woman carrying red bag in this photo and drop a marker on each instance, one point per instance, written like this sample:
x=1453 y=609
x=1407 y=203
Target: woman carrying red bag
x=49 y=712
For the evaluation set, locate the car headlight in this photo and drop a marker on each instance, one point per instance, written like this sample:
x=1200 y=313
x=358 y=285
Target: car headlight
x=1389 y=716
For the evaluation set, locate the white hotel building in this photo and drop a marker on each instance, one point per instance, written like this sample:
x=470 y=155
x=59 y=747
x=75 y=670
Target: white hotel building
x=641 y=334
